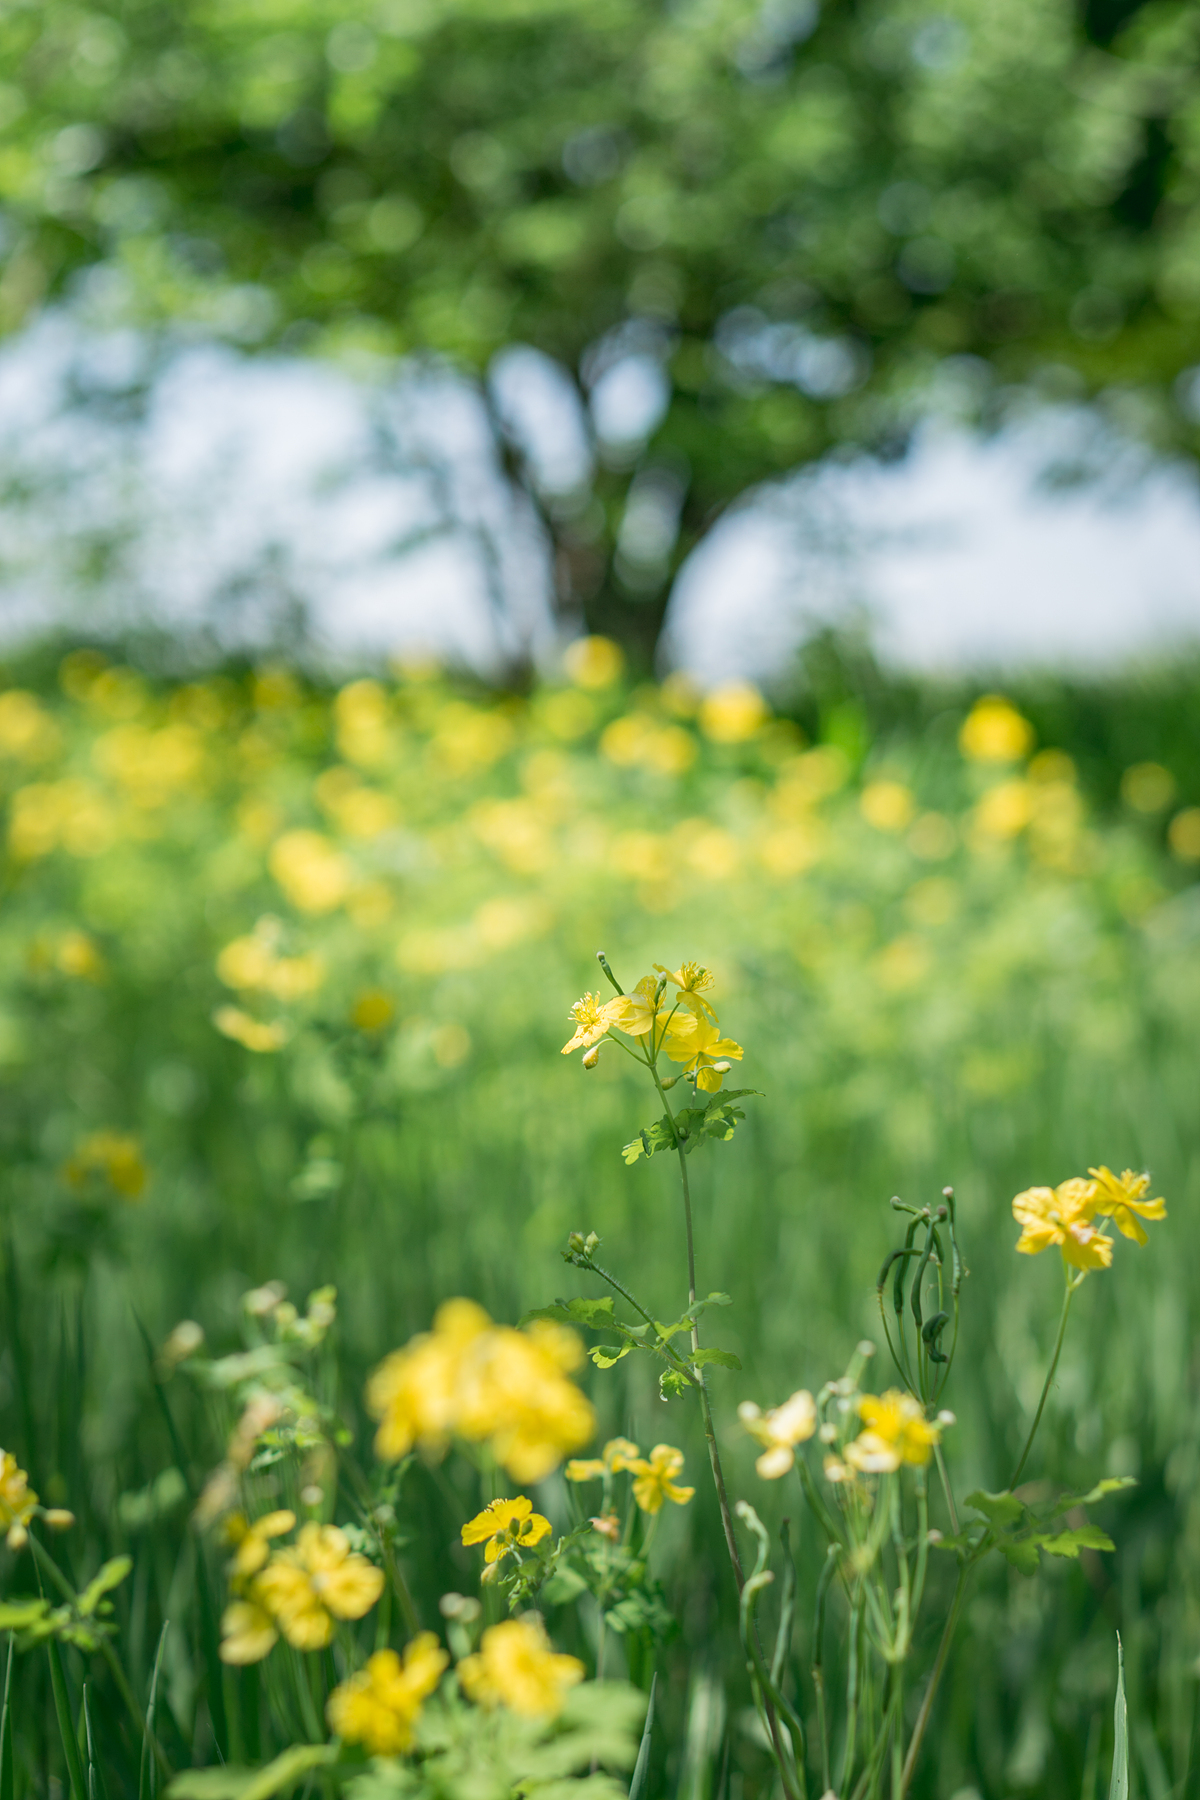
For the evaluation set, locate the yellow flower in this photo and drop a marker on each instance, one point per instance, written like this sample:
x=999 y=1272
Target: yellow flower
x=616 y=1455
x=592 y=1018
x=252 y=1541
x=486 y=1383
x=247 y=1632
x=994 y=731
x=643 y=1010
x=1063 y=1216
x=779 y=1431
x=315 y=1581
x=516 y=1667
x=897 y=1431
x=115 y=1157
x=733 y=713
x=1120 y=1199
x=693 y=982
x=593 y=662
x=18 y=1502
x=379 y=1706
x=654 y=1479
x=506 y=1525
x=252 y=1034
x=373 y=1010
x=705 y=1055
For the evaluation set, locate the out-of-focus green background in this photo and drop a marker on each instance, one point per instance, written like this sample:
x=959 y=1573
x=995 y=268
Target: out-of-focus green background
x=285 y=961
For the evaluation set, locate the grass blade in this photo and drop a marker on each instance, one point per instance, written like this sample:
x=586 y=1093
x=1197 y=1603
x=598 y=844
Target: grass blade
x=637 y=1781
x=148 y=1778
x=62 y=1708
x=7 y=1774
x=1118 y=1787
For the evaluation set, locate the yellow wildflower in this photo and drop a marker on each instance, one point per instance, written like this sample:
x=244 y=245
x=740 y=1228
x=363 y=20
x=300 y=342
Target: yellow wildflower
x=705 y=1055
x=373 y=1010
x=248 y=1632
x=644 y=1011
x=616 y=1455
x=1120 y=1199
x=693 y=982
x=592 y=1018
x=379 y=1706
x=506 y=1525
x=487 y=1383
x=654 y=1479
x=516 y=1667
x=732 y=713
x=593 y=662
x=252 y=1541
x=252 y=1034
x=994 y=731
x=897 y=1431
x=18 y=1502
x=115 y=1157
x=779 y=1431
x=1063 y=1216
x=315 y=1581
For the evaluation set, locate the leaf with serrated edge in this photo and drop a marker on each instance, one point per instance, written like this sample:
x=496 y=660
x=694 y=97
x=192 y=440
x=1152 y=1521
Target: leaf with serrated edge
x=1021 y=1553
x=724 y=1358
x=1112 y=1484
x=997 y=1509
x=232 y=1783
x=1070 y=1543
x=605 y=1355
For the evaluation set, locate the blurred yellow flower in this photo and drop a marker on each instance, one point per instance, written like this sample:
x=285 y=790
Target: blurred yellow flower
x=312 y=872
x=897 y=1431
x=654 y=1478
x=1183 y=834
x=1120 y=1199
x=247 y=1632
x=115 y=1157
x=994 y=731
x=373 y=1010
x=593 y=662
x=378 y=1706
x=1063 y=1216
x=506 y=1525
x=592 y=1017
x=1004 y=810
x=705 y=1055
x=252 y=1542
x=515 y=1666
x=732 y=713
x=887 y=805
x=27 y=730
x=362 y=717
x=779 y=1431
x=618 y=1454
x=485 y=1383
x=18 y=1502
x=315 y=1581
x=253 y=964
x=1148 y=787
x=252 y=1034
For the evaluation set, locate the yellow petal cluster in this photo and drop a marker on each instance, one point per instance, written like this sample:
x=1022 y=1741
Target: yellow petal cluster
x=506 y=1525
x=515 y=1666
x=1063 y=1216
x=617 y=1454
x=488 y=1384
x=300 y=1592
x=18 y=1502
x=379 y=1706
x=779 y=1431
x=1120 y=1198
x=654 y=1478
x=592 y=1018
x=896 y=1431
x=667 y=1011
x=115 y=1157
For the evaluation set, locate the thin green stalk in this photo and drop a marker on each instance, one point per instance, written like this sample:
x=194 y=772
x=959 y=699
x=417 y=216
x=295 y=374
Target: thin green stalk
x=854 y=1645
x=1072 y=1283
x=940 y=1459
x=62 y=1708
x=7 y=1773
x=943 y=1651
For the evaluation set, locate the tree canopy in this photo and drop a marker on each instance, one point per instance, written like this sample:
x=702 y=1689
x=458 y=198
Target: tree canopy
x=772 y=220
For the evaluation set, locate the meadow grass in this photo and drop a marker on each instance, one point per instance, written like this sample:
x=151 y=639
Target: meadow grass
x=284 y=977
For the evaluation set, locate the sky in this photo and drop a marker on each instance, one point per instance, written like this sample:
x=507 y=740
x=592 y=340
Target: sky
x=229 y=494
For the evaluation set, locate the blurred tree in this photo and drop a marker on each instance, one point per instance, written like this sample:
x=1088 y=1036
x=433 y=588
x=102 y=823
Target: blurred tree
x=746 y=230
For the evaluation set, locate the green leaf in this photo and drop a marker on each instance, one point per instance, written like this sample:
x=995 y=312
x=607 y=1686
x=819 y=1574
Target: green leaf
x=1118 y=1787
x=1070 y=1543
x=1021 y=1553
x=998 y=1509
x=20 y=1615
x=725 y=1358
x=632 y=1150
x=1112 y=1484
x=728 y=1094
x=605 y=1355
x=593 y=1313
x=672 y=1382
x=233 y=1783
x=110 y=1576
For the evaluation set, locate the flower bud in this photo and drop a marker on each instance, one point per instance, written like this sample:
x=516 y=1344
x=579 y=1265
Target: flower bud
x=947 y=1418
x=592 y=1057
x=933 y=1536
x=592 y=1242
x=576 y=1243
x=58 y=1518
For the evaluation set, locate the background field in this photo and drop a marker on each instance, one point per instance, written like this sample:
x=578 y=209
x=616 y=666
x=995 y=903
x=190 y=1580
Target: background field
x=943 y=969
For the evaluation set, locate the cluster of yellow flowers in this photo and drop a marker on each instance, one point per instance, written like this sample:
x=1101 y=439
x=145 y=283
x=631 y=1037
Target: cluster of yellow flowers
x=113 y=1158
x=19 y=1505
x=667 y=1013
x=515 y=1667
x=1066 y=1215
x=895 y=1430
x=486 y=1384
x=297 y=1592
x=653 y=1476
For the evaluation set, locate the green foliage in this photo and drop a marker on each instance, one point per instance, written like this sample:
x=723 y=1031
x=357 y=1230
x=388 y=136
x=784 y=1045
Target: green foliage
x=1021 y=1532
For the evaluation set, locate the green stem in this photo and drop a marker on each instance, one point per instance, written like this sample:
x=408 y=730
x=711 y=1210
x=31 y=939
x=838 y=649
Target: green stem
x=1072 y=1283
x=922 y=1724
x=940 y=1459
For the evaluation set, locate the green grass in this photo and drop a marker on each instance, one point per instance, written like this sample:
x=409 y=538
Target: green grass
x=1000 y=1014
